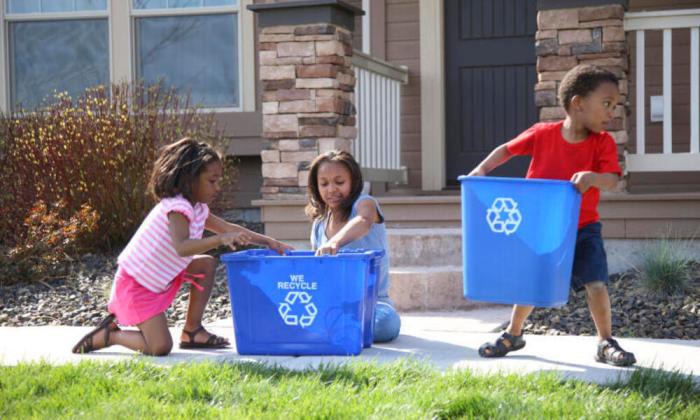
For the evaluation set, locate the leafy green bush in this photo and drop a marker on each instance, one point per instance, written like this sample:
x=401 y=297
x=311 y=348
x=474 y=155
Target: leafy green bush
x=96 y=150
x=665 y=269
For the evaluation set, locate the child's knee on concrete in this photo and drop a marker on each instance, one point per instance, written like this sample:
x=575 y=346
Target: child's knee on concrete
x=160 y=347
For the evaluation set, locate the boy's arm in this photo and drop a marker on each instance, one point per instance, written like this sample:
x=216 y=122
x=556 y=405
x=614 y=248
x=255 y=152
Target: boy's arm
x=218 y=225
x=355 y=228
x=496 y=158
x=603 y=181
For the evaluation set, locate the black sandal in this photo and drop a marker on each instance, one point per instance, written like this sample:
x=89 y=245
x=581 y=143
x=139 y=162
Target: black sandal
x=213 y=342
x=86 y=345
x=610 y=352
x=499 y=348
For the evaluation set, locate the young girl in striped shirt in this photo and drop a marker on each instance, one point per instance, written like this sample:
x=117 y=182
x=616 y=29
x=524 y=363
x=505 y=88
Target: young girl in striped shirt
x=163 y=254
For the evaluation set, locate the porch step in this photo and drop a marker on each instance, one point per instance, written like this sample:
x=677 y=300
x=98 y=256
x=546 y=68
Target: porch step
x=425 y=247
x=429 y=288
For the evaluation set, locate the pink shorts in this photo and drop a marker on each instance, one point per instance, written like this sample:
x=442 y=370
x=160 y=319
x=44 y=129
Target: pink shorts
x=133 y=304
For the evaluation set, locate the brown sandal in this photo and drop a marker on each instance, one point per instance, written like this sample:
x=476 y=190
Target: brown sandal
x=85 y=345
x=499 y=348
x=213 y=342
x=610 y=352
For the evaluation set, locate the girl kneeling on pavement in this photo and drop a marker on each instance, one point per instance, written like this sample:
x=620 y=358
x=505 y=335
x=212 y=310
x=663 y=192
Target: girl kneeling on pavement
x=165 y=252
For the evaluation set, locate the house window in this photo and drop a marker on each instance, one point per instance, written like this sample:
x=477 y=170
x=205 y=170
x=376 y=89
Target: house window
x=48 y=6
x=55 y=46
x=201 y=47
x=190 y=45
x=174 y=4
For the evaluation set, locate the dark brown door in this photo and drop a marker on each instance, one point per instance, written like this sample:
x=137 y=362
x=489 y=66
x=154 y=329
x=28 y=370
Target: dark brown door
x=490 y=77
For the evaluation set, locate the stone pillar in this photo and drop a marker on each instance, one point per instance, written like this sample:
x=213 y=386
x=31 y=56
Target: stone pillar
x=581 y=35
x=305 y=53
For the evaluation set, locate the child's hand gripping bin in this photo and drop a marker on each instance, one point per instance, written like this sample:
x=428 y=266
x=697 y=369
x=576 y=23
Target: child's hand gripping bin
x=301 y=304
x=519 y=237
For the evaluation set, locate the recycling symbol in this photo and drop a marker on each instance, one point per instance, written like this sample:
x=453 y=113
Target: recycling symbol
x=503 y=216
x=297 y=309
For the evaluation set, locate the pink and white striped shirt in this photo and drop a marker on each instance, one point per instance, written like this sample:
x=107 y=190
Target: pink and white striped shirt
x=150 y=256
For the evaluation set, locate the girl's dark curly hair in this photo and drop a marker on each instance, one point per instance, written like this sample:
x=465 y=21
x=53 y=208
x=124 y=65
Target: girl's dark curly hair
x=582 y=80
x=177 y=167
x=316 y=208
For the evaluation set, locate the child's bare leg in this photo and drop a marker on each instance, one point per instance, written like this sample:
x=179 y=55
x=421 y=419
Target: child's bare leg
x=609 y=351
x=518 y=317
x=599 y=305
x=206 y=265
x=152 y=339
x=511 y=340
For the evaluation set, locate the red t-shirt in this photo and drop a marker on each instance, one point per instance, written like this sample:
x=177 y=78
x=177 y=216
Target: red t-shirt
x=555 y=158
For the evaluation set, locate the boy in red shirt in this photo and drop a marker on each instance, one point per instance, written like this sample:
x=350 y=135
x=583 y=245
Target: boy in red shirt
x=576 y=149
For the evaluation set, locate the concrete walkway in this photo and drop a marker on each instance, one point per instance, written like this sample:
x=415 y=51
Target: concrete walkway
x=445 y=340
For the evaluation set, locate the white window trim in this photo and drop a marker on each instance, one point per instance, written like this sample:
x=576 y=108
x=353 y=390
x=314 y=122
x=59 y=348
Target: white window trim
x=122 y=49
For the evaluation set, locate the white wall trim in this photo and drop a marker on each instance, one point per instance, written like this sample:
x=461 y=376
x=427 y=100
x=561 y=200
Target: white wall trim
x=432 y=68
x=663 y=19
x=246 y=57
x=659 y=162
x=668 y=90
x=4 y=62
x=366 y=27
x=121 y=51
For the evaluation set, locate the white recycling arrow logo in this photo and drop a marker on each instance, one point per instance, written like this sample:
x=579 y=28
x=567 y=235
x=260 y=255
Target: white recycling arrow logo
x=290 y=308
x=504 y=216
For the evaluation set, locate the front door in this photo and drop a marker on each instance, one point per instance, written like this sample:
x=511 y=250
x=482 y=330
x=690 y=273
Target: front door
x=490 y=77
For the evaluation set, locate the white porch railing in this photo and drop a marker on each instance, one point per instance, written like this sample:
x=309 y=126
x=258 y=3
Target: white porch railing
x=668 y=160
x=378 y=101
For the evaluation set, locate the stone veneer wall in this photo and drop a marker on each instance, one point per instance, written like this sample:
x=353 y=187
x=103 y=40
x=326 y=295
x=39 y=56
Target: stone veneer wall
x=307 y=92
x=584 y=35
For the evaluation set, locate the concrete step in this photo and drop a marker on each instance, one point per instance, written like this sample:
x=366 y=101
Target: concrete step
x=429 y=288
x=425 y=246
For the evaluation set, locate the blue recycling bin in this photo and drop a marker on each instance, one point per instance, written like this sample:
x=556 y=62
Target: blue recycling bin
x=371 y=298
x=301 y=304
x=518 y=239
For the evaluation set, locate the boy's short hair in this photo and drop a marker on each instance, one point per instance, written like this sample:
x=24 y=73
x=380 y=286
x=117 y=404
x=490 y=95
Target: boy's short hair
x=582 y=80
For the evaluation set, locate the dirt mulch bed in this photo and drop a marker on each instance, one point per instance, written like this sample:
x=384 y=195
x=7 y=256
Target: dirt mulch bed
x=635 y=312
x=81 y=299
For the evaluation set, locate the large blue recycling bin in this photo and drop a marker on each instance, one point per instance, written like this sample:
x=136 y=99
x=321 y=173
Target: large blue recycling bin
x=300 y=304
x=371 y=298
x=518 y=239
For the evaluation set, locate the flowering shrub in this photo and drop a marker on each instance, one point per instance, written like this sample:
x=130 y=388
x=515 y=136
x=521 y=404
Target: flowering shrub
x=48 y=242
x=95 y=151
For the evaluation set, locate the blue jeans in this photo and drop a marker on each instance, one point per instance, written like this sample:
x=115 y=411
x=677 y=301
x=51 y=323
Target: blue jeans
x=387 y=323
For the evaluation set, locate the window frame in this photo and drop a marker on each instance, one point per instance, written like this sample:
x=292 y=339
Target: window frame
x=7 y=20
x=122 y=59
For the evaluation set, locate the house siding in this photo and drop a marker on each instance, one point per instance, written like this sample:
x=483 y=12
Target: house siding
x=670 y=181
x=399 y=44
x=402 y=48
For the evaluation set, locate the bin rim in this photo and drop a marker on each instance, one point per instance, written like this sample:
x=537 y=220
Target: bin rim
x=267 y=254
x=463 y=178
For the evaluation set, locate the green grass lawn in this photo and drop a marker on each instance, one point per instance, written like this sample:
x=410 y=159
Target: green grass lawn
x=139 y=389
